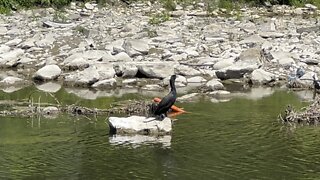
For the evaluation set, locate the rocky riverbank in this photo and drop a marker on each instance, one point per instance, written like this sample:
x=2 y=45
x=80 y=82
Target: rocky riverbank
x=141 y=45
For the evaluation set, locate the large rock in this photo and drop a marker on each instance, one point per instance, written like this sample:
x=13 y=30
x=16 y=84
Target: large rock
x=252 y=40
x=47 y=41
x=90 y=56
x=247 y=62
x=4 y=48
x=11 y=57
x=223 y=64
x=48 y=72
x=260 y=76
x=106 y=83
x=87 y=77
x=122 y=56
x=3 y=30
x=214 y=84
x=77 y=63
x=135 y=47
x=186 y=70
x=10 y=80
x=283 y=58
x=156 y=69
x=105 y=71
x=196 y=79
x=125 y=70
x=140 y=124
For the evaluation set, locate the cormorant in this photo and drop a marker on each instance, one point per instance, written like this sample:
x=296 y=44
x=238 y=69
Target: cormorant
x=167 y=101
x=316 y=83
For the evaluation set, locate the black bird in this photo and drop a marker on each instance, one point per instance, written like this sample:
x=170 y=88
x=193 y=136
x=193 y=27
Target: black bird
x=316 y=83
x=167 y=101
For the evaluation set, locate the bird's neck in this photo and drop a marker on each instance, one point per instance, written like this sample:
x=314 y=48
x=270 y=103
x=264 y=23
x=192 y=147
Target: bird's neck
x=173 y=87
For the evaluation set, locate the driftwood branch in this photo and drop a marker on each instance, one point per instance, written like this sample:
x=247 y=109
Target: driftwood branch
x=308 y=115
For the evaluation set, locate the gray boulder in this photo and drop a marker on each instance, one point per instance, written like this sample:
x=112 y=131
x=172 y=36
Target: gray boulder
x=77 y=63
x=10 y=57
x=48 y=72
x=106 y=83
x=186 y=70
x=260 y=76
x=135 y=47
x=4 y=48
x=10 y=80
x=125 y=70
x=248 y=61
x=214 y=84
x=87 y=77
x=122 y=56
x=105 y=71
x=156 y=69
x=223 y=64
x=140 y=125
x=196 y=79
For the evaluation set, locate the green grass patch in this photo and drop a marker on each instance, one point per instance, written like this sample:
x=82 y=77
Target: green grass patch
x=159 y=18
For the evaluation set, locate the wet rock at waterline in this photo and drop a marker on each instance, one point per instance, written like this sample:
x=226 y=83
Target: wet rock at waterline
x=10 y=80
x=84 y=78
x=48 y=72
x=106 y=83
x=260 y=76
x=214 y=84
x=140 y=125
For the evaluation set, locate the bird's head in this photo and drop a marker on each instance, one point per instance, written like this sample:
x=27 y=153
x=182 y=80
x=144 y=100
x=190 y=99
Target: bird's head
x=173 y=77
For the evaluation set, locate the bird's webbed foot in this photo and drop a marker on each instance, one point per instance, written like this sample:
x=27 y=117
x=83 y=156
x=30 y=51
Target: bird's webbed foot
x=161 y=117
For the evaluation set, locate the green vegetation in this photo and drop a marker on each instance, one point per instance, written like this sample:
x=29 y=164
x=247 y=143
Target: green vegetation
x=159 y=18
x=7 y=5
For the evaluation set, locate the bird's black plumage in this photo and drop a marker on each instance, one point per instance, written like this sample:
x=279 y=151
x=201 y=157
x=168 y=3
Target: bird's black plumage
x=168 y=100
x=316 y=83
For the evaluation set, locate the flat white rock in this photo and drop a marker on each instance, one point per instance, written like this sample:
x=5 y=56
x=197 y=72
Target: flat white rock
x=140 y=124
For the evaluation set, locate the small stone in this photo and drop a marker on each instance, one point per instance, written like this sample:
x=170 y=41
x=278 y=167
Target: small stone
x=50 y=110
x=88 y=6
x=311 y=7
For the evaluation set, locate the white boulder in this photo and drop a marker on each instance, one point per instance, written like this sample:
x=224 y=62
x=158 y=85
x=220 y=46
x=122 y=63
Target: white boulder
x=140 y=124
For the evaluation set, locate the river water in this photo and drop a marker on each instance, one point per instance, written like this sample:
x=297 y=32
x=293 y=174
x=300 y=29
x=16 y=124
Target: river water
x=237 y=138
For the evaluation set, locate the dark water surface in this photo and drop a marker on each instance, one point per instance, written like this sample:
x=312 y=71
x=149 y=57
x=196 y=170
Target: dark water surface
x=237 y=139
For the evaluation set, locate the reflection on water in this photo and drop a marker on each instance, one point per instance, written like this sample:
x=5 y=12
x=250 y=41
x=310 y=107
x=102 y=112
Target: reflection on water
x=138 y=140
x=51 y=87
x=11 y=89
x=237 y=139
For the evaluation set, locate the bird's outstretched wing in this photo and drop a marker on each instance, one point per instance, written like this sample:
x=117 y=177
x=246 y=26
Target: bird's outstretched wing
x=165 y=104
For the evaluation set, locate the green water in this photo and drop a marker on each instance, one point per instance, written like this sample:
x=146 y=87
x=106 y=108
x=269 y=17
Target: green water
x=237 y=139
